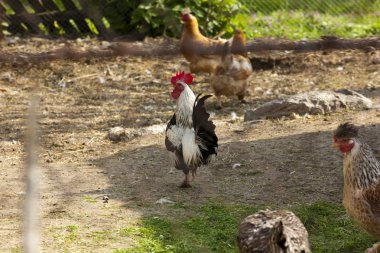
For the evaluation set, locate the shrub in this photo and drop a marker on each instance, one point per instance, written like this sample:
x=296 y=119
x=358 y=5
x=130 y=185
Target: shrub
x=162 y=17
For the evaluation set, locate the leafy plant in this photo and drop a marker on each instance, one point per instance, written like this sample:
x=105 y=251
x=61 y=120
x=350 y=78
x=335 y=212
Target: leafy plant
x=331 y=229
x=162 y=17
x=213 y=228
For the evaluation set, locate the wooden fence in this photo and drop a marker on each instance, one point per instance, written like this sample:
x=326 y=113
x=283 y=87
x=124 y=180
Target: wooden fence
x=46 y=17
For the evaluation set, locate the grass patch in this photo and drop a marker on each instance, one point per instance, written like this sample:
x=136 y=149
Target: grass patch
x=16 y=250
x=71 y=233
x=101 y=236
x=310 y=25
x=89 y=199
x=332 y=230
x=213 y=228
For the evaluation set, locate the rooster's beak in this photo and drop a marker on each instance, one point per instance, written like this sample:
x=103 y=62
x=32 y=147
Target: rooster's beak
x=335 y=145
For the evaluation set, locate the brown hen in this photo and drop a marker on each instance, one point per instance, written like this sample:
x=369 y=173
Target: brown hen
x=361 y=173
x=197 y=48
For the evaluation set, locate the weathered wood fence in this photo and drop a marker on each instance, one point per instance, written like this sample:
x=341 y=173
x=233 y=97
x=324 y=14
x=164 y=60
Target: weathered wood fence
x=47 y=17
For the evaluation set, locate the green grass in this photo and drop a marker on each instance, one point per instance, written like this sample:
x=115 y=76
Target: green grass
x=331 y=230
x=213 y=228
x=309 y=25
x=321 y=6
x=89 y=199
x=71 y=234
x=292 y=19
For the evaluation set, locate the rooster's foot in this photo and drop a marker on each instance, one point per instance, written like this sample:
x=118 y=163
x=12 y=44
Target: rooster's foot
x=193 y=173
x=185 y=185
x=218 y=105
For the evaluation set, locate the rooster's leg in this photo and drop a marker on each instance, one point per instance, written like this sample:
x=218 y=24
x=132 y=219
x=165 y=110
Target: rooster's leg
x=186 y=183
x=241 y=98
x=374 y=249
x=218 y=105
x=193 y=173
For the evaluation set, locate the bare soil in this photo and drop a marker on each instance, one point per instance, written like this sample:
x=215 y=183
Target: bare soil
x=277 y=163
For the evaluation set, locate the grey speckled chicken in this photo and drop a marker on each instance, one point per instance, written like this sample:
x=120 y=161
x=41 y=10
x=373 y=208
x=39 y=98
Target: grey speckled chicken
x=277 y=231
x=361 y=173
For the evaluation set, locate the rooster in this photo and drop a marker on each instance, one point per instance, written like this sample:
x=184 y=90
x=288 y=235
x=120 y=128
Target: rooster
x=361 y=173
x=231 y=75
x=277 y=231
x=196 y=48
x=190 y=135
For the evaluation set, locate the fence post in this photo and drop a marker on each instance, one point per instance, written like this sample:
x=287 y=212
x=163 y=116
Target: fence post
x=32 y=224
x=2 y=18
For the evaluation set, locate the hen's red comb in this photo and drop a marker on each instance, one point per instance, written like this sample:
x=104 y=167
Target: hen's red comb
x=181 y=76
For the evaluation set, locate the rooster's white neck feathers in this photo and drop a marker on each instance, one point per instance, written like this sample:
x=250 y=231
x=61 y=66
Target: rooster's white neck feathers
x=184 y=110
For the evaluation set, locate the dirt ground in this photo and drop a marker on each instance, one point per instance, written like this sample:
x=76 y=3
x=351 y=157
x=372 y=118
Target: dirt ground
x=282 y=162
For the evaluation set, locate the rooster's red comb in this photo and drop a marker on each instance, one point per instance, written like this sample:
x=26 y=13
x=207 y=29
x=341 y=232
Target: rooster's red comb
x=181 y=76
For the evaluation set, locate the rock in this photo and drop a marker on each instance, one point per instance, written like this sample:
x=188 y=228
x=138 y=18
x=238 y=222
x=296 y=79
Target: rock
x=294 y=116
x=155 y=129
x=164 y=201
x=105 y=44
x=102 y=80
x=314 y=102
x=105 y=199
x=116 y=134
x=233 y=117
x=131 y=133
x=157 y=121
x=7 y=76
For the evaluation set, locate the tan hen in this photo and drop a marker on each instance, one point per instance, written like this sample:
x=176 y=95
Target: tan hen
x=231 y=76
x=361 y=173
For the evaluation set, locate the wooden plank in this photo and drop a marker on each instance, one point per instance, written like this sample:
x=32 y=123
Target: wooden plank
x=31 y=23
x=49 y=5
x=59 y=16
x=36 y=6
x=12 y=28
x=14 y=25
x=80 y=19
x=17 y=6
x=39 y=8
x=47 y=12
x=69 y=5
x=2 y=18
x=95 y=16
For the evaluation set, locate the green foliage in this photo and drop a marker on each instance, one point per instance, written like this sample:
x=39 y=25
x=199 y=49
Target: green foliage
x=162 y=17
x=213 y=228
x=294 y=19
x=321 y=6
x=71 y=234
x=298 y=25
x=155 y=235
x=331 y=230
